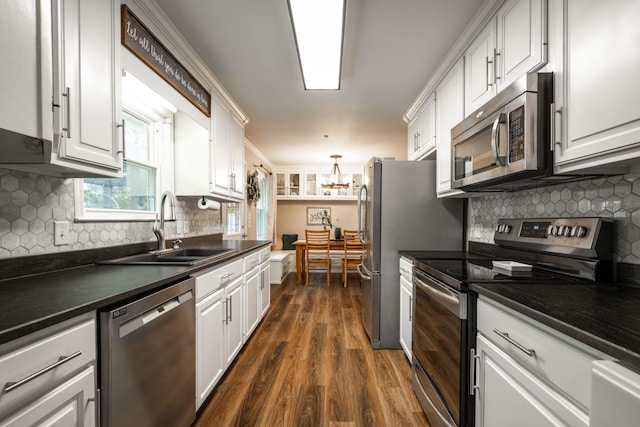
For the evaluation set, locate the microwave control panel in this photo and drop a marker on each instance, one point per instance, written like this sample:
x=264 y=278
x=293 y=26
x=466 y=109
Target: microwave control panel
x=516 y=135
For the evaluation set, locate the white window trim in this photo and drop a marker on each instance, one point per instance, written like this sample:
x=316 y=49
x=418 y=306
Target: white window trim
x=162 y=145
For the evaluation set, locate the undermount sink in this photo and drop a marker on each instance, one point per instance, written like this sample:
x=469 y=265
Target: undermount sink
x=186 y=256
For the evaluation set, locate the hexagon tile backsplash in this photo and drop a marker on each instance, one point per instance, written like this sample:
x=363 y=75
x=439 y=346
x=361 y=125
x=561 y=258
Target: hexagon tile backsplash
x=616 y=197
x=30 y=203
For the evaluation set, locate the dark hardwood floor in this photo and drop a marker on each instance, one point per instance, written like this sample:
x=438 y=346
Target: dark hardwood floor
x=309 y=363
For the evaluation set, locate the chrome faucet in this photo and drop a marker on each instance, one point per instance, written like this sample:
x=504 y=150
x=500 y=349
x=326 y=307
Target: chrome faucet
x=158 y=230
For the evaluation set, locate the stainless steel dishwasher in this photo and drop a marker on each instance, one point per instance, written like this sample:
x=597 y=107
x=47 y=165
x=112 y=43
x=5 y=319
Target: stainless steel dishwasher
x=147 y=367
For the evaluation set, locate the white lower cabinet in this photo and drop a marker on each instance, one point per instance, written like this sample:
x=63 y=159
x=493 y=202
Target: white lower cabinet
x=70 y=404
x=264 y=299
x=210 y=353
x=230 y=302
x=509 y=395
x=219 y=314
x=233 y=325
x=65 y=393
x=406 y=306
x=527 y=374
x=253 y=302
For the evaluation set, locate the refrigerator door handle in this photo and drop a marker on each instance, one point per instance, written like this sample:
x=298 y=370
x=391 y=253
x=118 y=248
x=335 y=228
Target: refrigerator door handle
x=362 y=232
x=366 y=275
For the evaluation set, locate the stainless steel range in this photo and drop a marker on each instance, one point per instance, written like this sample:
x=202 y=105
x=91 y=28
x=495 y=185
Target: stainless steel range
x=529 y=251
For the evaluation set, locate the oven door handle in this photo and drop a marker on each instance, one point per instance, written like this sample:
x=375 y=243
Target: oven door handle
x=452 y=300
x=495 y=139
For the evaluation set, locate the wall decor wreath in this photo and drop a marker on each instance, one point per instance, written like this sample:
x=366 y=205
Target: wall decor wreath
x=253 y=189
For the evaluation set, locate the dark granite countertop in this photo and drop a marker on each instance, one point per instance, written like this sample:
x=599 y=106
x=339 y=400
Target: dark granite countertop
x=603 y=316
x=33 y=302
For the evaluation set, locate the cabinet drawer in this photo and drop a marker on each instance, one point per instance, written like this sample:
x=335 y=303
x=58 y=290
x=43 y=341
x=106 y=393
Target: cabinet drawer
x=559 y=360
x=265 y=253
x=212 y=280
x=251 y=261
x=406 y=268
x=55 y=352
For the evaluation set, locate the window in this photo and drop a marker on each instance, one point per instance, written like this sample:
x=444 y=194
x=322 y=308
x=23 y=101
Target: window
x=261 y=209
x=233 y=212
x=147 y=131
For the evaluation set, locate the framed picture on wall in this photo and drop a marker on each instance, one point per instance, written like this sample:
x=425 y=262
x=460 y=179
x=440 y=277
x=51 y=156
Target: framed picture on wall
x=314 y=215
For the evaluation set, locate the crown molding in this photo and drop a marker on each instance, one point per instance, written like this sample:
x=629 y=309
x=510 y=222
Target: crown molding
x=471 y=31
x=164 y=28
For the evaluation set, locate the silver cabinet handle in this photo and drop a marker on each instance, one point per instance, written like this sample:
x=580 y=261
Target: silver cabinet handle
x=226 y=311
x=231 y=308
x=121 y=125
x=555 y=112
x=495 y=65
x=473 y=358
x=489 y=63
x=67 y=113
x=10 y=386
x=528 y=351
x=410 y=309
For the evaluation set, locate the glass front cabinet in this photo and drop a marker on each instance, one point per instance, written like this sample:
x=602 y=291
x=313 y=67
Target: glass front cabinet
x=309 y=185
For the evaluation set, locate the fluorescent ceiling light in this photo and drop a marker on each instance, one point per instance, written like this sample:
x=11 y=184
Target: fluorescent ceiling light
x=318 y=27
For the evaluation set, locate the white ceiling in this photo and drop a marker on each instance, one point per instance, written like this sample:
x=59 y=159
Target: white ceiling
x=391 y=49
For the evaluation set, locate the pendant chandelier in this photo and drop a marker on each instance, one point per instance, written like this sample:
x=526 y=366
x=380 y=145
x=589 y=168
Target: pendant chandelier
x=335 y=177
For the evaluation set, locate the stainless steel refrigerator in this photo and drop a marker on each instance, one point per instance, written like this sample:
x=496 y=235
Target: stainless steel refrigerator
x=398 y=210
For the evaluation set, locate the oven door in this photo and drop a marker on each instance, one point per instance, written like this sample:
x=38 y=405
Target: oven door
x=439 y=345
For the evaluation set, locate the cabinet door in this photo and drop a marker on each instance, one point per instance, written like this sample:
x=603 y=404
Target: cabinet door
x=530 y=402
x=237 y=159
x=87 y=85
x=253 y=303
x=221 y=175
x=427 y=134
x=521 y=39
x=449 y=112
x=479 y=69
x=406 y=316
x=70 y=404
x=210 y=355
x=598 y=89
x=265 y=288
x=310 y=184
x=234 y=315
x=412 y=138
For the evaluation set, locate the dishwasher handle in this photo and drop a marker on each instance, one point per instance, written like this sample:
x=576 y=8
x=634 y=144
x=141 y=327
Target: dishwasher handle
x=154 y=313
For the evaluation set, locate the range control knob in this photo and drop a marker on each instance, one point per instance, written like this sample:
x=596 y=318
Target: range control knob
x=567 y=231
x=507 y=228
x=553 y=230
x=550 y=230
x=579 y=231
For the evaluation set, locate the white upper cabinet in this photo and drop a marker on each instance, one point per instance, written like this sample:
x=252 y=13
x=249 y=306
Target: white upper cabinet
x=305 y=182
x=449 y=112
x=64 y=82
x=86 y=86
x=210 y=162
x=510 y=45
x=228 y=152
x=521 y=39
x=479 y=69
x=597 y=113
x=421 y=138
x=236 y=161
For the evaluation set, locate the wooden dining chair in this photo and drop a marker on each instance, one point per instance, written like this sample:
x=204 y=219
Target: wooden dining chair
x=317 y=253
x=353 y=252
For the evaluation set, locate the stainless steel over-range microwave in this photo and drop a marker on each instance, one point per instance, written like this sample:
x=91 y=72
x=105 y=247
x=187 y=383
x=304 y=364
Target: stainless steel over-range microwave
x=505 y=144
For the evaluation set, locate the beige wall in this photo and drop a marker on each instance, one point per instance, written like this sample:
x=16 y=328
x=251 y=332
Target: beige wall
x=292 y=216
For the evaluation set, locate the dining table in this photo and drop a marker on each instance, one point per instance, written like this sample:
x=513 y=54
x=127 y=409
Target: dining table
x=301 y=247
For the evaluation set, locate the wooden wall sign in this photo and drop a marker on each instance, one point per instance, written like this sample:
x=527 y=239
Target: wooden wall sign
x=143 y=43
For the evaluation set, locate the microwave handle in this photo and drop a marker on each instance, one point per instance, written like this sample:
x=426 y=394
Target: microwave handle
x=495 y=139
